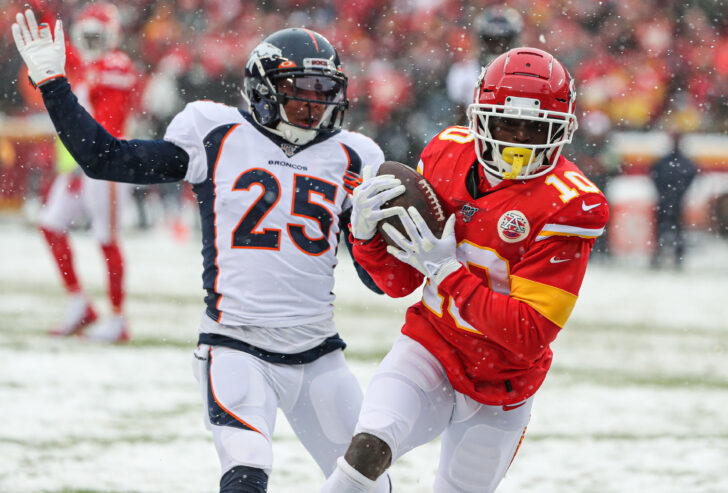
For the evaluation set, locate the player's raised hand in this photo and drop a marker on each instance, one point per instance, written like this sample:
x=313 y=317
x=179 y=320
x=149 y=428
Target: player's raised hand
x=368 y=199
x=43 y=54
x=432 y=256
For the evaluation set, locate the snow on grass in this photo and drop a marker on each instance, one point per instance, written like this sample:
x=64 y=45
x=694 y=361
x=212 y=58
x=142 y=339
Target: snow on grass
x=635 y=401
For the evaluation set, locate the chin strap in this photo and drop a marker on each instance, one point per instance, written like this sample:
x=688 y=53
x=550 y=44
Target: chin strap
x=295 y=135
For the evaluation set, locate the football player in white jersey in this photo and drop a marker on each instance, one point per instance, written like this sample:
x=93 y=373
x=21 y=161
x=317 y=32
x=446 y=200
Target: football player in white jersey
x=272 y=186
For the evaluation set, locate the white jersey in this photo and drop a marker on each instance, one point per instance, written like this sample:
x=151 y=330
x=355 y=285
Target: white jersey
x=270 y=218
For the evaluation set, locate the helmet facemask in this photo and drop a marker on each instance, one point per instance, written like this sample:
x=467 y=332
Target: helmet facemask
x=515 y=160
x=92 y=39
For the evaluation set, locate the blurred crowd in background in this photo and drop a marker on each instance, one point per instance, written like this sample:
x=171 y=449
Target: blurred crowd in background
x=638 y=64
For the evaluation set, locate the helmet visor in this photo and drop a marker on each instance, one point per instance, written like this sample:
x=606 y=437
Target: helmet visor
x=312 y=88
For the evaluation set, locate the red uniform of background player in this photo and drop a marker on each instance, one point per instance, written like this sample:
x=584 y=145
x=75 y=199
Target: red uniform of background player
x=501 y=281
x=104 y=80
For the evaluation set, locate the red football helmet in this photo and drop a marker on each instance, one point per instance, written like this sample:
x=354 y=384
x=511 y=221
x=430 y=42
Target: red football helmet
x=525 y=84
x=96 y=30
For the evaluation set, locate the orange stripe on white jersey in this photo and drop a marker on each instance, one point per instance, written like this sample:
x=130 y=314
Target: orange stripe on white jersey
x=550 y=230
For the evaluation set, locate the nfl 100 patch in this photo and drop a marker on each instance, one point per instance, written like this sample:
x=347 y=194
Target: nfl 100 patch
x=467 y=212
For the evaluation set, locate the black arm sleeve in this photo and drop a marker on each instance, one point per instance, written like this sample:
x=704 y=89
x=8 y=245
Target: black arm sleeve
x=344 y=220
x=101 y=155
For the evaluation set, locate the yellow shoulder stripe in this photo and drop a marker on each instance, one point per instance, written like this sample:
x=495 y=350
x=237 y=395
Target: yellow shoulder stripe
x=553 y=303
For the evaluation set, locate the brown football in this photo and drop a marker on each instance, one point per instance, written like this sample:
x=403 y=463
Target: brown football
x=418 y=193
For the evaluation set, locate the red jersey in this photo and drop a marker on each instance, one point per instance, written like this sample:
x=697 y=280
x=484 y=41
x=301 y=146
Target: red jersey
x=525 y=246
x=111 y=83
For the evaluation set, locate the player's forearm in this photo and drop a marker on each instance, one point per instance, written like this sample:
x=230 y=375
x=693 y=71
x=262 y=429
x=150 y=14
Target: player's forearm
x=103 y=156
x=395 y=278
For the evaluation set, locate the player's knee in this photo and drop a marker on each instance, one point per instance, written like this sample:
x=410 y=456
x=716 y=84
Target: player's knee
x=369 y=455
x=244 y=479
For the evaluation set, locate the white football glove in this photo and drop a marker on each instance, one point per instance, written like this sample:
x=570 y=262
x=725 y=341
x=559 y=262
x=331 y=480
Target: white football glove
x=44 y=56
x=433 y=256
x=367 y=201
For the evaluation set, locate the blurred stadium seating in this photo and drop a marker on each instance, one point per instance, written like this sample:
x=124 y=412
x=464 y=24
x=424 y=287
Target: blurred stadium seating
x=649 y=65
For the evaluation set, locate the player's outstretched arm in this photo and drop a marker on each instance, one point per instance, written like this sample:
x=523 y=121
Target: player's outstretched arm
x=103 y=156
x=99 y=154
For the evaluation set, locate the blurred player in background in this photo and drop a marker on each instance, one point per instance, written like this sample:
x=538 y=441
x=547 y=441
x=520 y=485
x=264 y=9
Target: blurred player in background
x=272 y=186
x=500 y=283
x=105 y=79
x=496 y=30
x=672 y=175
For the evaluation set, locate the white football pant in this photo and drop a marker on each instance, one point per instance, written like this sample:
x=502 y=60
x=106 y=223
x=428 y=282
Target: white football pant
x=410 y=402
x=321 y=401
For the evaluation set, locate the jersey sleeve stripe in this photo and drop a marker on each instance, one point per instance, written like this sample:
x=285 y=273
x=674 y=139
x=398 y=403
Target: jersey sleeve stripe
x=353 y=159
x=553 y=303
x=550 y=230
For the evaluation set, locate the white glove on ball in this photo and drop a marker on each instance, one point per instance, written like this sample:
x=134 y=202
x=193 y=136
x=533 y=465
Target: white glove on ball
x=367 y=201
x=434 y=257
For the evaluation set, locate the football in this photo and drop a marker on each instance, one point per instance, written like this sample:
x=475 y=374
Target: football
x=418 y=193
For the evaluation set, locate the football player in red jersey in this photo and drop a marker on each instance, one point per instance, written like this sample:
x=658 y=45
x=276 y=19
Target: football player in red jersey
x=500 y=283
x=105 y=79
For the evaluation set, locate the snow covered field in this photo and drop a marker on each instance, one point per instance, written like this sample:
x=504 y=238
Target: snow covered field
x=637 y=400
